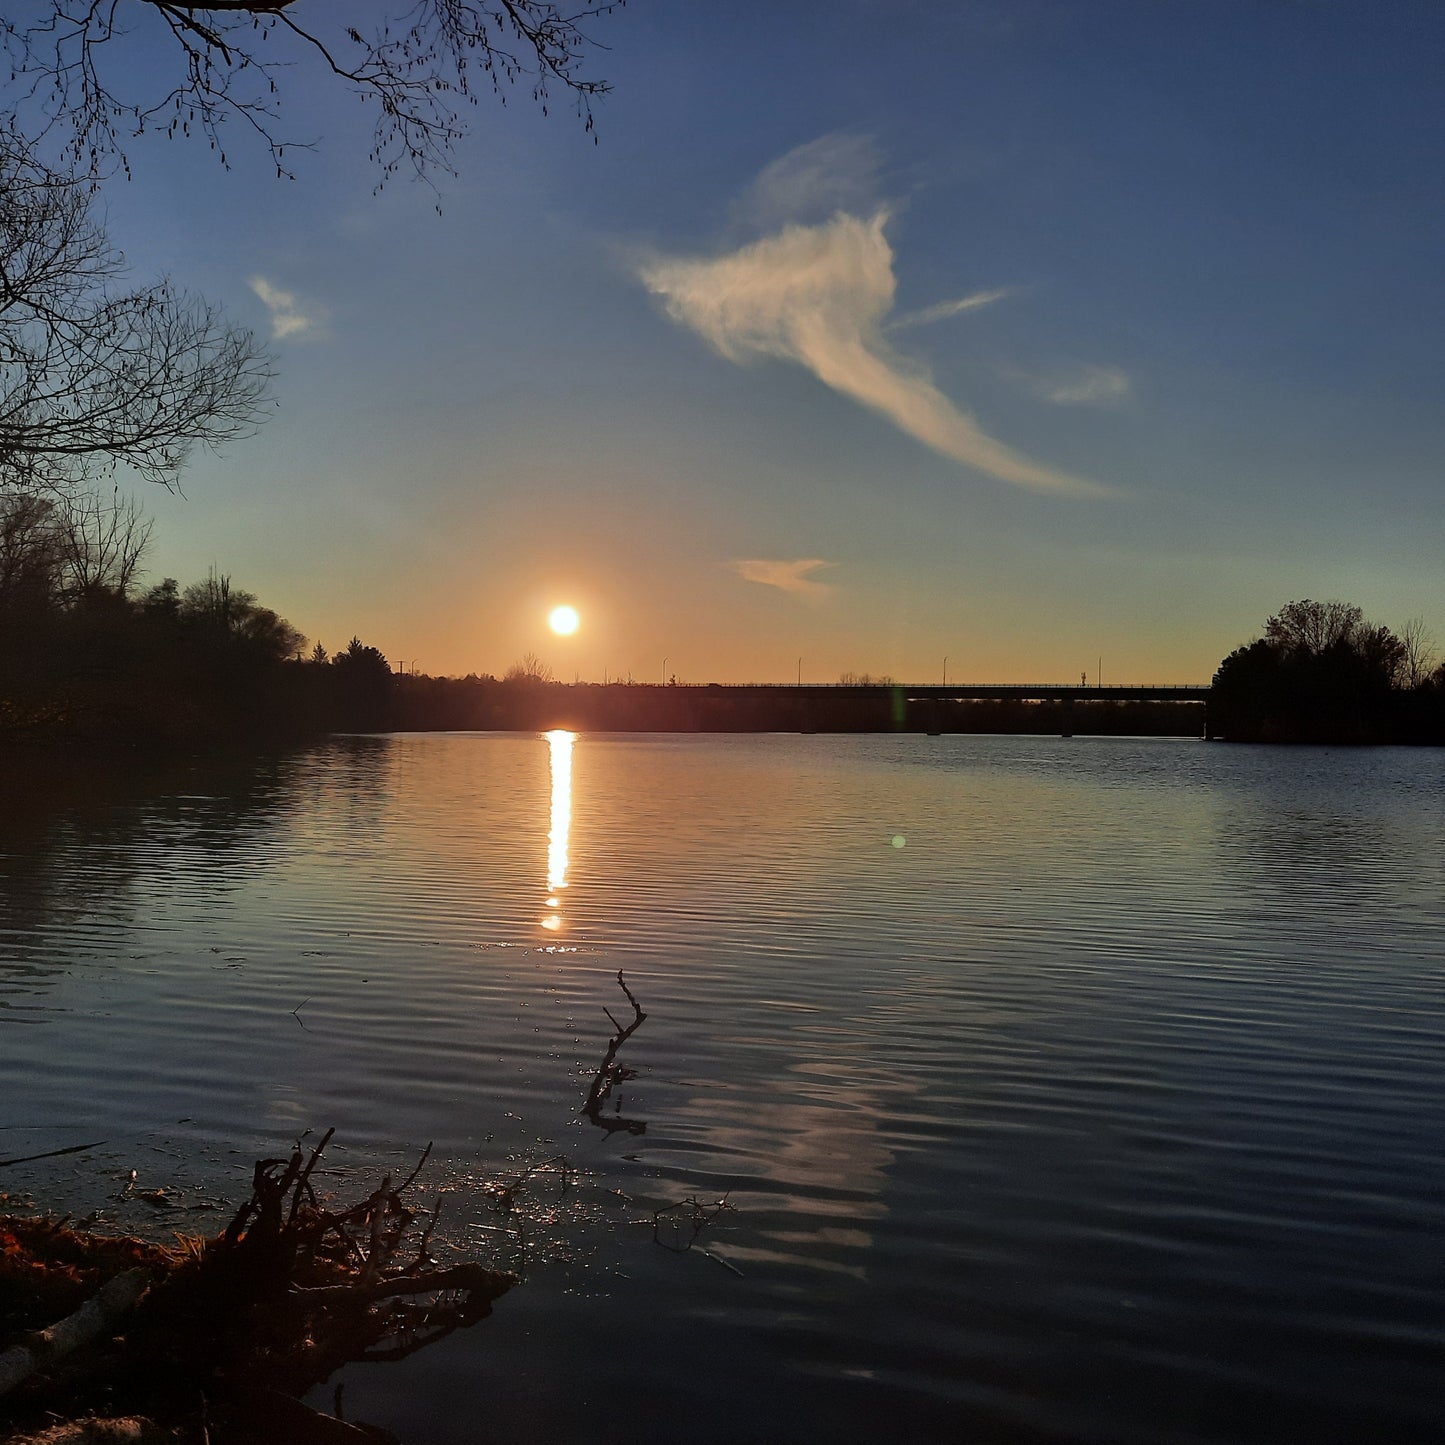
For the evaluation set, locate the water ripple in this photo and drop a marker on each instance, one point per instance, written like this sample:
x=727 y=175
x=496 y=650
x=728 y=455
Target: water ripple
x=1106 y=1107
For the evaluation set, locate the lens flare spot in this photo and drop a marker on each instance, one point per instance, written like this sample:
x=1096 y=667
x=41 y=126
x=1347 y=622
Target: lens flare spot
x=899 y=840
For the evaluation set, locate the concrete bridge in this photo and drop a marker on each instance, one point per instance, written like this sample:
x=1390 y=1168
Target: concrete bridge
x=987 y=691
x=919 y=707
x=1065 y=693
x=919 y=704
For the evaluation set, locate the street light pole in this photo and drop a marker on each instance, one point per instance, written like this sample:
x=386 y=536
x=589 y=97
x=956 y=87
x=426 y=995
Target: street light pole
x=945 y=672
x=800 y=672
x=664 y=672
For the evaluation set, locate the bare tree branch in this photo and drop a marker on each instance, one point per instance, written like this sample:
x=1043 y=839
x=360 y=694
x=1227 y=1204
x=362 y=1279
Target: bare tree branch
x=102 y=542
x=1420 y=657
x=92 y=373
x=69 y=548
x=417 y=69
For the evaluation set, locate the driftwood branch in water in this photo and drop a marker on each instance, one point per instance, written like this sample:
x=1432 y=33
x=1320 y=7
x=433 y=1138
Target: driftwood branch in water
x=96 y=1317
x=53 y=1153
x=127 y=1430
x=462 y=1276
x=676 y=1226
x=610 y=1072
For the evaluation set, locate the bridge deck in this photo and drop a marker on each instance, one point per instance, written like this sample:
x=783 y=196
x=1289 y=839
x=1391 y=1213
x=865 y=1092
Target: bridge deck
x=978 y=691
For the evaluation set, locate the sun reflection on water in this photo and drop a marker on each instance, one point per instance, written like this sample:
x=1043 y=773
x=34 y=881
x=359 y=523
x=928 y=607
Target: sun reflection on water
x=560 y=743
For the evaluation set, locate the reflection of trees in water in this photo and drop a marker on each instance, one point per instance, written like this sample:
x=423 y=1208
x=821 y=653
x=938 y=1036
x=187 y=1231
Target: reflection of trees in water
x=1324 y=860
x=363 y=765
x=1329 y=831
x=84 y=843
x=354 y=775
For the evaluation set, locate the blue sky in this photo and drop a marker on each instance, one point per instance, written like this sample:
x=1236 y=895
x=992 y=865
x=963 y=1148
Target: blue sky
x=871 y=334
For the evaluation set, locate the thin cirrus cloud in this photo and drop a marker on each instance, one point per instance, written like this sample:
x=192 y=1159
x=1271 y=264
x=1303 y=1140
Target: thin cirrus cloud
x=794 y=577
x=1089 y=386
x=836 y=172
x=945 y=309
x=819 y=296
x=287 y=317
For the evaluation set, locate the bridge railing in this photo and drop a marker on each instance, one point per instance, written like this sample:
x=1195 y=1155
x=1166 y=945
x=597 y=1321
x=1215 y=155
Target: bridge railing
x=915 y=686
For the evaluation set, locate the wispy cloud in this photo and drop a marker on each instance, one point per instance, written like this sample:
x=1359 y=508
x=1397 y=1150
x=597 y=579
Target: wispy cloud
x=794 y=577
x=287 y=317
x=944 y=309
x=837 y=172
x=819 y=296
x=1089 y=386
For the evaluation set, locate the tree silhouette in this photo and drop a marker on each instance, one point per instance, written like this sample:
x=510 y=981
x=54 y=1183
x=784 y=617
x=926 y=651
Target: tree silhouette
x=1320 y=673
x=95 y=373
x=58 y=550
x=103 y=540
x=163 y=601
x=30 y=553
x=1312 y=628
x=531 y=669
x=361 y=687
x=1420 y=660
x=361 y=660
x=226 y=615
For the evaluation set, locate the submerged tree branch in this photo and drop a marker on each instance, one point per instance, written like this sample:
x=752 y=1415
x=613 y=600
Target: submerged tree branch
x=609 y=1072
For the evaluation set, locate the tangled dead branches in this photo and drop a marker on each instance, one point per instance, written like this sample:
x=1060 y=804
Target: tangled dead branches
x=251 y=1320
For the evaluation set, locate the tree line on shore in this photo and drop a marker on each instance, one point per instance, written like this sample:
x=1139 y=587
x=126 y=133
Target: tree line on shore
x=87 y=655
x=1323 y=673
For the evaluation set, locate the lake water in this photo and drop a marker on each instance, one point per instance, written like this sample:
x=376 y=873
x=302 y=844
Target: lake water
x=1060 y=1090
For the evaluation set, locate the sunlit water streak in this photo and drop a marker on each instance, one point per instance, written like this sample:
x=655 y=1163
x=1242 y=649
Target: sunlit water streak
x=1106 y=1108
x=559 y=744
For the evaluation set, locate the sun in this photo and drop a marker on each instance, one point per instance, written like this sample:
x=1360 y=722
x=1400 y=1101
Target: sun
x=564 y=621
